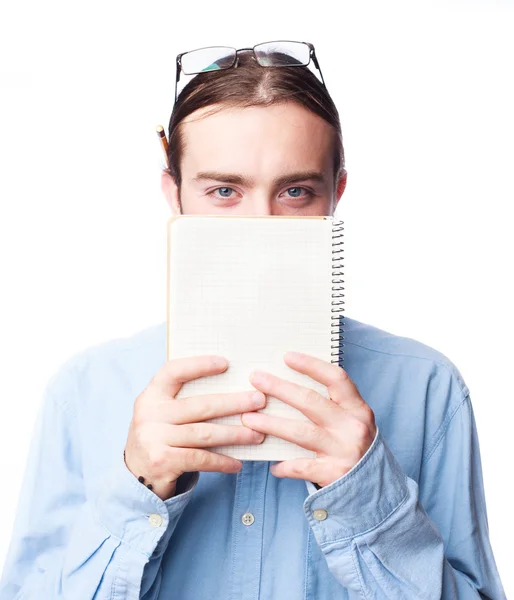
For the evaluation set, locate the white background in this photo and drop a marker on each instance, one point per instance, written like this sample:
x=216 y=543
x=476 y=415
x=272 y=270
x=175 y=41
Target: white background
x=425 y=97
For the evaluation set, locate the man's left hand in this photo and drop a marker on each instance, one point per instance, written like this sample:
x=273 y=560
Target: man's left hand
x=342 y=426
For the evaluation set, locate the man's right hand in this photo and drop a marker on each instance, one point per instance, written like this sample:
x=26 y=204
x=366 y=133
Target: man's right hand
x=167 y=436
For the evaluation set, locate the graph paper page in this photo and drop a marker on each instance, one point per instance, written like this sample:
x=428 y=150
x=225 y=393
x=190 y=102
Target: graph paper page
x=250 y=289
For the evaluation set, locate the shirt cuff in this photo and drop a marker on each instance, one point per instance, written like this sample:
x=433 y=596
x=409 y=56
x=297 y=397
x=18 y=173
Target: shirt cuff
x=359 y=500
x=131 y=512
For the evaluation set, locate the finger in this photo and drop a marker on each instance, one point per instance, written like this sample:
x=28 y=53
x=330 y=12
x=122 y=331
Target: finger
x=205 y=435
x=207 y=406
x=311 y=469
x=314 y=406
x=341 y=388
x=195 y=459
x=174 y=373
x=303 y=433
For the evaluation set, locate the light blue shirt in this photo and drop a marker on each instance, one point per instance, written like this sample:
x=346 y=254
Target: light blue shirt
x=407 y=522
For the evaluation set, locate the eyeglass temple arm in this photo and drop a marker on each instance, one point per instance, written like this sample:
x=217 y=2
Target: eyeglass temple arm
x=316 y=63
x=177 y=78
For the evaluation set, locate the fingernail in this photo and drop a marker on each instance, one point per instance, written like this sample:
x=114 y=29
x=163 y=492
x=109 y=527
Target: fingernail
x=259 y=437
x=243 y=417
x=257 y=377
x=259 y=399
x=219 y=361
x=246 y=418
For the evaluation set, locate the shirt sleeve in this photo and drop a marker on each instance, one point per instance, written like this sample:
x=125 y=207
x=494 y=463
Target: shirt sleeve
x=386 y=537
x=67 y=543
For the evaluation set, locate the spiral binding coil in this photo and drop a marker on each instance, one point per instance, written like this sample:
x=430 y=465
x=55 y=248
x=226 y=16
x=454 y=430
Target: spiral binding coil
x=337 y=331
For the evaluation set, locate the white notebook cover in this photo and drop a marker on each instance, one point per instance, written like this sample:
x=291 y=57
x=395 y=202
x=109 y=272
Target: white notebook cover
x=250 y=289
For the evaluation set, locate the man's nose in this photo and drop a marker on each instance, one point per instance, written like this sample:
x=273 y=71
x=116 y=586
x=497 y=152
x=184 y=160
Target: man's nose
x=263 y=204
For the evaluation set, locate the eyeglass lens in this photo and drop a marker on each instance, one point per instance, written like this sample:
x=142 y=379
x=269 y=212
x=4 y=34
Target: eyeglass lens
x=268 y=54
x=208 y=59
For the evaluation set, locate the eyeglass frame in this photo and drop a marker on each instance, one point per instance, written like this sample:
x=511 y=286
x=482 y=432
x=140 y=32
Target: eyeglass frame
x=312 y=56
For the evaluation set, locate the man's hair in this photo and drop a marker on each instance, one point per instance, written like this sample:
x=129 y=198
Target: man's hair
x=247 y=85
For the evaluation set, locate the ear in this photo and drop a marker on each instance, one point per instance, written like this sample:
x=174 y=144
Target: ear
x=171 y=192
x=341 y=185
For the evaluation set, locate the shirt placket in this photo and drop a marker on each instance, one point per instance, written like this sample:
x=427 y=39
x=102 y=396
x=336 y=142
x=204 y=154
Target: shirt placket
x=247 y=527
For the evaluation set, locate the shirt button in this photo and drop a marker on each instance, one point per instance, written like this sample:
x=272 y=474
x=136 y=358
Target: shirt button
x=248 y=518
x=155 y=520
x=320 y=514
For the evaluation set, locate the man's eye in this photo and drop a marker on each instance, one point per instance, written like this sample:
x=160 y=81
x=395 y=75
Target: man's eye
x=296 y=192
x=224 y=192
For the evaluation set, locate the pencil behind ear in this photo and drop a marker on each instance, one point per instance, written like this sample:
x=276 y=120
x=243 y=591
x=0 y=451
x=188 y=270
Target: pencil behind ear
x=163 y=142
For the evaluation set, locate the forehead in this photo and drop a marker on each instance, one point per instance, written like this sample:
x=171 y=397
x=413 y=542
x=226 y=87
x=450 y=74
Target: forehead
x=263 y=140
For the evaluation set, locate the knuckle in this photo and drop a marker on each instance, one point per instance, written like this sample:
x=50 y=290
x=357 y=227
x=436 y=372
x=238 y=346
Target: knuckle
x=368 y=414
x=361 y=430
x=199 y=459
x=156 y=458
x=313 y=397
x=296 y=469
x=206 y=407
x=202 y=433
x=341 y=376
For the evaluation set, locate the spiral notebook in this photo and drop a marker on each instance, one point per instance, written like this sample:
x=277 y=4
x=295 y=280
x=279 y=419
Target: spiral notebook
x=250 y=289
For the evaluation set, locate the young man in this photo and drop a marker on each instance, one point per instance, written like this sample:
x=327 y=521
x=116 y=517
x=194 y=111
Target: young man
x=122 y=497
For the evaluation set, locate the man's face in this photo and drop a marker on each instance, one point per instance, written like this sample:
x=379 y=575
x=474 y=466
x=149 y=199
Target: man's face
x=275 y=160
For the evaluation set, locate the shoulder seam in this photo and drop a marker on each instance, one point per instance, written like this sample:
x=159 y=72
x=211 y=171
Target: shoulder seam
x=441 y=432
x=447 y=365
x=396 y=353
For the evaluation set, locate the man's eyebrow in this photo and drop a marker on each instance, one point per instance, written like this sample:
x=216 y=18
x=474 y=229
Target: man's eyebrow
x=317 y=176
